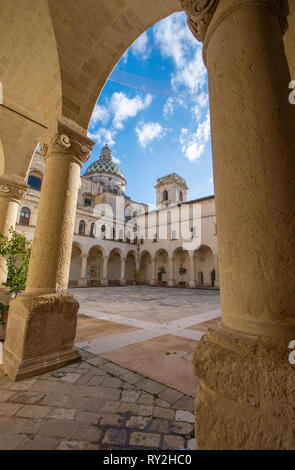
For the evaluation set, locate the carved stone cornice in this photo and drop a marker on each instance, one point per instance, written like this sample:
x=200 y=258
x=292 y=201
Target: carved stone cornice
x=67 y=141
x=12 y=190
x=199 y=14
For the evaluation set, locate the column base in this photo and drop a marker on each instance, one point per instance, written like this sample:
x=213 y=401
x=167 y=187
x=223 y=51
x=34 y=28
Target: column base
x=192 y=284
x=171 y=283
x=216 y=283
x=246 y=396
x=40 y=334
x=82 y=282
x=152 y=282
x=122 y=282
x=105 y=282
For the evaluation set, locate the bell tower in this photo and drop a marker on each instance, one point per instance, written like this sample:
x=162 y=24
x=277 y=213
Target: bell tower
x=170 y=190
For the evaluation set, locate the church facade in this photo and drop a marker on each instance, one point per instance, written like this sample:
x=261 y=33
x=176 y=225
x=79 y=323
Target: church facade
x=118 y=240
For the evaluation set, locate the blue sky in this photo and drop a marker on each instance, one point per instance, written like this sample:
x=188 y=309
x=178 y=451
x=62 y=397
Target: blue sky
x=154 y=113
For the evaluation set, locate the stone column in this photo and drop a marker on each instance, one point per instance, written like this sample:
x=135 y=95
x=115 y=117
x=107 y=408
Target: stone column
x=42 y=321
x=247 y=384
x=216 y=268
x=105 y=280
x=83 y=280
x=122 y=276
x=11 y=194
x=171 y=281
x=154 y=275
x=192 y=281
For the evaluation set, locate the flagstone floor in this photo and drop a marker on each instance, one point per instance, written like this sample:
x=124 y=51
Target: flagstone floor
x=133 y=389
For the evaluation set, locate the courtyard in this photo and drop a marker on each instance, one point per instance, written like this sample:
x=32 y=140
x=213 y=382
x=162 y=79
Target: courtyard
x=133 y=389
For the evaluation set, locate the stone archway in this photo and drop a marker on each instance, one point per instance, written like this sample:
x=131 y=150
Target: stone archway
x=204 y=265
x=114 y=266
x=76 y=264
x=130 y=265
x=181 y=260
x=146 y=267
x=94 y=272
x=162 y=262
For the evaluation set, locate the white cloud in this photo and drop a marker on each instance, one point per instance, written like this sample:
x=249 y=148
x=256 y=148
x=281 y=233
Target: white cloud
x=100 y=114
x=201 y=102
x=168 y=108
x=116 y=160
x=123 y=107
x=146 y=132
x=103 y=136
x=140 y=47
x=193 y=144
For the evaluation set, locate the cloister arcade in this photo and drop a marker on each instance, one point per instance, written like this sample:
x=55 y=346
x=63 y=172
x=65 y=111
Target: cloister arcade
x=55 y=59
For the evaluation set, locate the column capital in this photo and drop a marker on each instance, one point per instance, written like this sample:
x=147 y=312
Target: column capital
x=200 y=13
x=67 y=141
x=12 y=190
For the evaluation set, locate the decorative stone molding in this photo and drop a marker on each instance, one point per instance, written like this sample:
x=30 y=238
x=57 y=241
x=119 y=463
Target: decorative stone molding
x=12 y=190
x=199 y=14
x=67 y=141
x=172 y=178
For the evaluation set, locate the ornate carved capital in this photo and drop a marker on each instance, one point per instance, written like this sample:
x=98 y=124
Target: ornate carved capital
x=67 y=141
x=12 y=190
x=199 y=14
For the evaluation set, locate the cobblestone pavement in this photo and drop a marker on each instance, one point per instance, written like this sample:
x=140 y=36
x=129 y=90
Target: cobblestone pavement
x=96 y=405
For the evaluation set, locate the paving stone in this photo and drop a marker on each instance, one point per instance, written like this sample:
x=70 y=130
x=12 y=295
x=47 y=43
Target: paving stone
x=84 y=417
x=112 y=420
x=145 y=399
x=160 y=425
x=19 y=425
x=26 y=397
x=130 y=396
x=117 y=437
x=162 y=403
x=191 y=444
x=114 y=369
x=39 y=443
x=86 y=433
x=138 y=422
x=170 y=395
x=46 y=386
x=112 y=382
x=126 y=407
x=9 y=409
x=132 y=378
x=142 y=439
x=185 y=403
x=173 y=442
x=63 y=413
x=108 y=393
x=55 y=400
x=181 y=428
x=185 y=416
x=96 y=361
x=87 y=404
x=127 y=386
x=96 y=371
x=96 y=380
x=165 y=413
x=150 y=386
x=34 y=411
x=76 y=445
x=145 y=410
x=5 y=394
x=58 y=428
x=70 y=377
x=86 y=390
x=110 y=406
x=10 y=441
x=84 y=379
x=23 y=384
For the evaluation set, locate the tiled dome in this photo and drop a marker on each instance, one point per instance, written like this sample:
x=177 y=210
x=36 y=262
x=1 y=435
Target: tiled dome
x=104 y=165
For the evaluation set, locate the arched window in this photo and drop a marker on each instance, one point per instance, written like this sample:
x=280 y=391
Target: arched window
x=81 y=227
x=24 y=218
x=87 y=200
x=134 y=214
x=113 y=234
x=181 y=196
x=103 y=229
x=92 y=229
x=35 y=182
x=120 y=235
x=165 y=196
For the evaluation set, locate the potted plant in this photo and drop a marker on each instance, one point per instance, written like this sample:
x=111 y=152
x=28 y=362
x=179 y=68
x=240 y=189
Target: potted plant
x=93 y=273
x=181 y=271
x=161 y=271
x=16 y=251
x=136 y=276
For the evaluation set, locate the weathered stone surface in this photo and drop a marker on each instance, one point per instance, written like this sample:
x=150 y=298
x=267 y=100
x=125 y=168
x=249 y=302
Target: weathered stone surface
x=116 y=437
x=149 y=440
x=173 y=442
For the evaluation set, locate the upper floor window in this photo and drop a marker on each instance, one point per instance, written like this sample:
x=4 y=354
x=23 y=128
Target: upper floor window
x=181 y=196
x=81 y=227
x=24 y=218
x=134 y=214
x=87 y=201
x=165 y=196
x=35 y=182
x=92 y=229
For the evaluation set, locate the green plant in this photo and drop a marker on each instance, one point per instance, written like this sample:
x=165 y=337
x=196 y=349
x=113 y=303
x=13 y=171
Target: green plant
x=3 y=310
x=181 y=271
x=162 y=270
x=136 y=274
x=16 y=251
x=93 y=272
